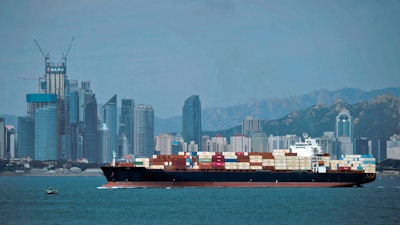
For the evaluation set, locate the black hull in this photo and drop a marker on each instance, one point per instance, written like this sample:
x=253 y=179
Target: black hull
x=142 y=177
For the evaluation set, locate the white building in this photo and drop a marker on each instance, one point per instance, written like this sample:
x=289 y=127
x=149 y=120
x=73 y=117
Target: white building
x=164 y=143
x=393 y=147
x=240 y=143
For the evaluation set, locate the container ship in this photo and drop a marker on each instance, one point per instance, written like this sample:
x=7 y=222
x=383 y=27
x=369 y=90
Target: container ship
x=303 y=165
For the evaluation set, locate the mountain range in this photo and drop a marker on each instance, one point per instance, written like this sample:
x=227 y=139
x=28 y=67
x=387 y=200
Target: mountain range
x=378 y=118
x=223 y=118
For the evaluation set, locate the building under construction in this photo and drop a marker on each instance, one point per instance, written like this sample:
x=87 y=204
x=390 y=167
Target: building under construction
x=55 y=82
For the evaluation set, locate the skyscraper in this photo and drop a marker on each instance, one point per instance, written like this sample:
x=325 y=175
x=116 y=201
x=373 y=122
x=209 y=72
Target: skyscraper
x=26 y=137
x=46 y=133
x=191 y=120
x=88 y=131
x=126 y=122
x=105 y=152
x=143 y=131
x=56 y=83
x=344 y=131
x=110 y=118
x=87 y=125
x=36 y=126
x=74 y=122
x=2 y=138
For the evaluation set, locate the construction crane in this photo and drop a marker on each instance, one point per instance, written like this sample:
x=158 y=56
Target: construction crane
x=64 y=57
x=38 y=78
x=46 y=56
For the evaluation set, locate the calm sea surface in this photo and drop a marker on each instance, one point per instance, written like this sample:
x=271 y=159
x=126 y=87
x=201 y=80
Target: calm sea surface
x=22 y=201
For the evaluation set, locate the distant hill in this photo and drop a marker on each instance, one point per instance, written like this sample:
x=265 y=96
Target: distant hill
x=377 y=118
x=222 y=118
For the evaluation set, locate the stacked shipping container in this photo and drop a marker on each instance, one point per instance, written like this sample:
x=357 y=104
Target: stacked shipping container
x=281 y=160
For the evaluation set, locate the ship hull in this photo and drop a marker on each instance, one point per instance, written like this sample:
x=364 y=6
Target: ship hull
x=136 y=177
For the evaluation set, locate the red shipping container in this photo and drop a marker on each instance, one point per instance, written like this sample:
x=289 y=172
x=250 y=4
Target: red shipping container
x=243 y=159
x=345 y=168
x=218 y=164
x=268 y=167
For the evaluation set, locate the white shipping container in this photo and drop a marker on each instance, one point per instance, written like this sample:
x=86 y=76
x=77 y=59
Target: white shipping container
x=156 y=167
x=243 y=167
x=229 y=153
x=280 y=168
x=205 y=153
x=231 y=167
x=142 y=160
x=256 y=160
x=256 y=167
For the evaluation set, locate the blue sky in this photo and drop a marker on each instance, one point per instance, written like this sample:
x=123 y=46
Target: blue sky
x=162 y=52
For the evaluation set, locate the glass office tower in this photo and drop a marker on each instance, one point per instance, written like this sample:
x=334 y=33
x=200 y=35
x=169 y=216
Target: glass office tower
x=191 y=120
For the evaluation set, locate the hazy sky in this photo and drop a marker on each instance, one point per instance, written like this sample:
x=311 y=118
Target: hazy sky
x=162 y=52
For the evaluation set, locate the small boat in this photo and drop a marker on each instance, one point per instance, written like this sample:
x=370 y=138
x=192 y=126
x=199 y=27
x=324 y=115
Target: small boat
x=51 y=191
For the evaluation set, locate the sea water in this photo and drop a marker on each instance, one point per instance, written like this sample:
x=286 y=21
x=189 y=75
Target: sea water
x=80 y=201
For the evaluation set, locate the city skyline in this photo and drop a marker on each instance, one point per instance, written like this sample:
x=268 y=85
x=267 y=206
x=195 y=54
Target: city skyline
x=228 y=52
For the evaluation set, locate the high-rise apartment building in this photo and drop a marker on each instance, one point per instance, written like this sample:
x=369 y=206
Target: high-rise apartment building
x=218 y=144
x=110 y=118
x=251 y=126
x=240 y=143
x=281 y=142
x=393 y=147
x=126 y=123
x=143 y=131
x=191 y=120
x=46 y=133
x=259 y=142
x=163 y=144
